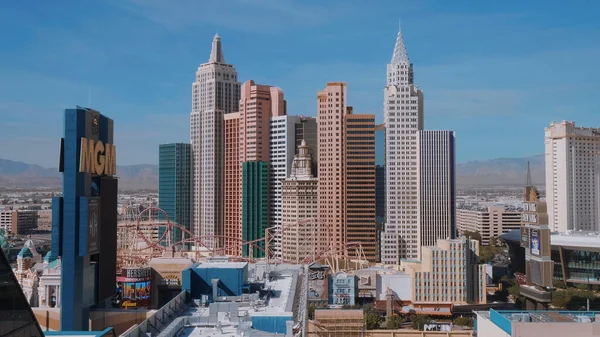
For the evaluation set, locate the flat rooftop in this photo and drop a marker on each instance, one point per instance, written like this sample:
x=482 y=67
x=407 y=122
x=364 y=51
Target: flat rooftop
x=505 y=318
x=234 y=315
x=572 y=239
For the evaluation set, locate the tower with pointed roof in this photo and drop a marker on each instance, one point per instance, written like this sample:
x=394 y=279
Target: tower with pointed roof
x=215 y=92
x=403 y=116
x=302 y=235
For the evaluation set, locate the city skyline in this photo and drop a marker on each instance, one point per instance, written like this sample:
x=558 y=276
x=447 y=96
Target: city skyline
x=478 y=67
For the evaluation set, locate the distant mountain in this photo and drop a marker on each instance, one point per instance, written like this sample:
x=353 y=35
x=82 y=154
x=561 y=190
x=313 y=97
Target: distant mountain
x=15 y=174
x=505 y=171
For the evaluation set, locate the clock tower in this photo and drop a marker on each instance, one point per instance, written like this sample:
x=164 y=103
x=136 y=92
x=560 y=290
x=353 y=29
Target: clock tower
x=535 y=239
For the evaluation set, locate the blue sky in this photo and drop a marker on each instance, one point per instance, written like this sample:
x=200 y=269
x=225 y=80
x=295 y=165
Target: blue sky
x=496 y=72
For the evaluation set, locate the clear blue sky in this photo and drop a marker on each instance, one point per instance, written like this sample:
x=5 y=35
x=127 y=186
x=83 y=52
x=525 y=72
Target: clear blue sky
x=496 y=72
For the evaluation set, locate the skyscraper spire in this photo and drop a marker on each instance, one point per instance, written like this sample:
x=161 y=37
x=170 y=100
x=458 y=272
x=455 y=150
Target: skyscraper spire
x=216 y=53
x=528 y=183
x=400 y=55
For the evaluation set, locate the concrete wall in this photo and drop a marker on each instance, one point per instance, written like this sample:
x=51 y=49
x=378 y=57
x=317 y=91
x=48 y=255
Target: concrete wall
x=49 y=318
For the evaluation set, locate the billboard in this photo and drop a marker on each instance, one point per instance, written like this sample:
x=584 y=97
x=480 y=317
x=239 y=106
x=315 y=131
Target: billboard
x=535 y=242
x=134 y=288
x=93 y=223
x=317 y=284
x=524 y=237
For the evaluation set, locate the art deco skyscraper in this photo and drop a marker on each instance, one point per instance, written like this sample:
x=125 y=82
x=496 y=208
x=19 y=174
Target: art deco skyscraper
x=403 y=113
x=302 y=235
x=215 y=92
x=437 y=186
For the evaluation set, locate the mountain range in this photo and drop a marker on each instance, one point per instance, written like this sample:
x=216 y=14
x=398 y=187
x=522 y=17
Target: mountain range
x=501 y=171
x=15 y=174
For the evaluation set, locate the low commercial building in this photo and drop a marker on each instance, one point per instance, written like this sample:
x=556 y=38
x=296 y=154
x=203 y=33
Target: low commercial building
x=242 y=299
x=449 y=272
x=45 y=220
x=492 y=221
x=537 y=323
x=24 y=221
x=576 y=256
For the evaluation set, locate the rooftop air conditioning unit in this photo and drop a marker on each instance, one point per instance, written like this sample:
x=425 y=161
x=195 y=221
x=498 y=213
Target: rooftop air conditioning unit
x=583 y=319
x=521 y=317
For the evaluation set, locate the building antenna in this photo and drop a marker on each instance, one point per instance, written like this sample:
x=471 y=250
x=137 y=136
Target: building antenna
x=89 y=96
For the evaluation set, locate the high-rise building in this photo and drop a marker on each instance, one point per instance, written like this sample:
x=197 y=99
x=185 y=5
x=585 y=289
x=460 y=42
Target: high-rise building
x=233 y=185
x=490 y=221
x=346 y=188
x=403 y=113
x=359 y=154
x=302 y=235
x=436 y=186
x=306 y=130
x=215 y=92
x=380 y=204
x=449 y=272
x=380 y=144
x=174 y=186
x=573 y=177
x=261 y=108
x=255 y=205
x=282 y=151
x=257 y=105
x=331 y=189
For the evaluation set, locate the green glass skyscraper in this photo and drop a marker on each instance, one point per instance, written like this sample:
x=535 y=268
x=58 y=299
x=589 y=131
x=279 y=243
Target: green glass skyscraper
x=255 y=205
x=174 y=186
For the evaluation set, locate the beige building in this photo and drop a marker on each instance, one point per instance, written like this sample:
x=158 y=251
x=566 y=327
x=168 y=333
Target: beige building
x=490 y=222
x=302 y=234
x=332 y=186
x=232 y=209
x=572 y=177
x=449 y=272
x=45 y=219
x=360 y=182
x=346 y=188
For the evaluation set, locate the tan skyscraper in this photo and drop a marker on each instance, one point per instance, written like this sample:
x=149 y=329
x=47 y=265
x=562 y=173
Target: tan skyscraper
x=360 y=182
x=258 y=104
x=232 y=220
x=346 y=188
x=331 y=188
x=302 y=235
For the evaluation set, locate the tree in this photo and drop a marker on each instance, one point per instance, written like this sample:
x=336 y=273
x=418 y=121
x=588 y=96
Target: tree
x=394 y=322
x=4 y=245
x=463 y=321
x=419 y=321
x=372 y=320
x=311 y=311
x=473 y=236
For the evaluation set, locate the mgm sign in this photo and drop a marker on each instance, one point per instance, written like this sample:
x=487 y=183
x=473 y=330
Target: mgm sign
x=84 y=218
